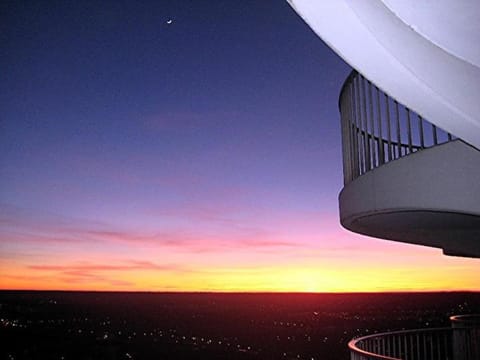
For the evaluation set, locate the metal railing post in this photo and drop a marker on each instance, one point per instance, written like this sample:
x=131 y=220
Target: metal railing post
x=345 y=150
x=372 y=126
x=399 y=137
x=365 y=116
x=420 y=125
x=434 y=133
x=389 y=131
x=358 y=125
x=409 y=129
x=365 y=122
x=353 y=146
x=380 y=134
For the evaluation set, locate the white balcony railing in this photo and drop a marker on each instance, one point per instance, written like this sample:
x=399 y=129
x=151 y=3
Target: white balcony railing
x=459 y=342
x=425 y=344
x=376 y=129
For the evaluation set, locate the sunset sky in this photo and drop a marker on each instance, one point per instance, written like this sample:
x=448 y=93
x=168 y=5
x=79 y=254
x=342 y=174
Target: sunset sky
x=182 y=146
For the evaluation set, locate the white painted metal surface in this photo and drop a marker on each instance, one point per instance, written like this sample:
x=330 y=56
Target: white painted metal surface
x=424 y=54
x=429 y=198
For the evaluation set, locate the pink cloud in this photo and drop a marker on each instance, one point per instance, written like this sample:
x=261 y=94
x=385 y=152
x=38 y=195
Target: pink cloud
x=88 y=273
x=84 y=268
x=211 y=230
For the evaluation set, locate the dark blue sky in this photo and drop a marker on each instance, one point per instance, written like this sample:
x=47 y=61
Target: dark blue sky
x=241 y=93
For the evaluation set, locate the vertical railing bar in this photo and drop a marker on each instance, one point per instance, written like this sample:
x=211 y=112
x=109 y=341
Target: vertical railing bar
x=389 y=133
x=363 y=158
x=344 y=152
x=357 y=125
x=399 y=137
x=408 y=346
x=388 y=346
x=405 y=347
x=396 y=342
x=424 y=346
x=380 y=135
x=350 y=133
x=355 y=119
x=420 y=124
x=438 y=347
x=434 y=133
x=431 y=347
x=409 y=129
x=394 y=346
x=357 y=134
x=445 y=344
x=412 y=352
x=418 y=346
x=348 y=136
x=361 y=147
x=471 y=345
x=353 y=132
x=372 y=126
x=365 y=121
x=400 y=346
x=345 y=137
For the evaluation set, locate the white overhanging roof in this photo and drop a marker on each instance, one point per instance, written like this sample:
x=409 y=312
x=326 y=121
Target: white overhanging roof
x=425 y=54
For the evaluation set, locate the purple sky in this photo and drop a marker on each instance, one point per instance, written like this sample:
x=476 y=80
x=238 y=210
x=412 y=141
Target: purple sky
x=222 y=125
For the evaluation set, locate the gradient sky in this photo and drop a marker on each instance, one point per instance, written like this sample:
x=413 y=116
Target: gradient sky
x=198 y=155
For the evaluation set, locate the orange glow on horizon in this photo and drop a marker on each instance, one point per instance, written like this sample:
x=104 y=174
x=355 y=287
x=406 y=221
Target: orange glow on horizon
x=261 y=279
x=316 y=258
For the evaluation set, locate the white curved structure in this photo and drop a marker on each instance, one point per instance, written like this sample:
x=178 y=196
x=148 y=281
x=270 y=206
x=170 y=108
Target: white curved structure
x=425 y=54
x=413 y=60
x=399 y=201
x=406 y=179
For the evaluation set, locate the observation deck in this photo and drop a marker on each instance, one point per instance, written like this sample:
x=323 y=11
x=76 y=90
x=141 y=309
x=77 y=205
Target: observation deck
x=459 y=342
x=404 y=178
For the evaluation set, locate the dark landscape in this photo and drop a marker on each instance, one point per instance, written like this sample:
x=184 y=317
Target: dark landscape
x=108 y=325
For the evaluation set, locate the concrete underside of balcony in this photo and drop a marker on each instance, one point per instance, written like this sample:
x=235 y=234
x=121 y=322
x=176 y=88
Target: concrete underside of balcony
x=431 y=198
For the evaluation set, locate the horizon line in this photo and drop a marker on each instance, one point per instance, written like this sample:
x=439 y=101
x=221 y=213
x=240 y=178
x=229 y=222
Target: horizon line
x=214 y=292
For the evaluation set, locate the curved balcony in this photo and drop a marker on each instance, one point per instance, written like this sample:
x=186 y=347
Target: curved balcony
x=421 y=344
x=376 y=129
x=460 y=342
x=405 y=179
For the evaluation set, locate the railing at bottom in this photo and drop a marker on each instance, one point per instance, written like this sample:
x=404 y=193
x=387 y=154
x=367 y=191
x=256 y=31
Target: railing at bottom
x=466 y=336
x=424 y=344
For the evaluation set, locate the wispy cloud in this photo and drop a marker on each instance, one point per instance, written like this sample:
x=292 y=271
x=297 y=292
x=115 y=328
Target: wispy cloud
x=126 y=266
x=112 y=274
x=63 y=280
x=21 y=226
